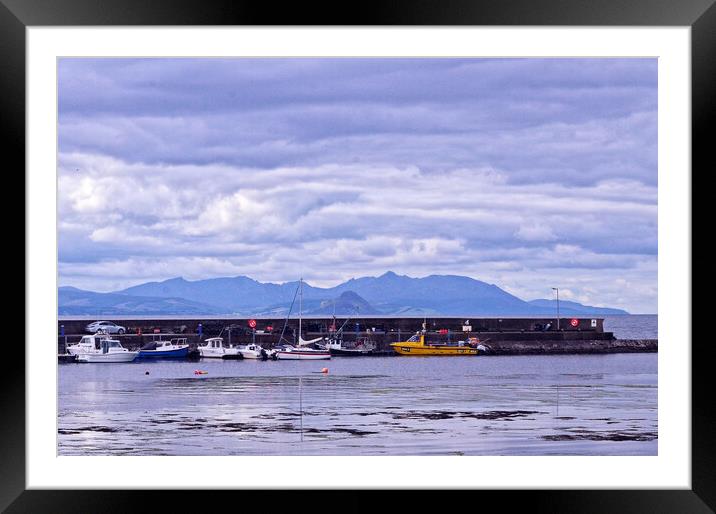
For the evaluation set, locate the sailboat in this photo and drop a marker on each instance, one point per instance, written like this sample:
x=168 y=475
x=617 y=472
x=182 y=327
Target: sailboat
x=302 y=352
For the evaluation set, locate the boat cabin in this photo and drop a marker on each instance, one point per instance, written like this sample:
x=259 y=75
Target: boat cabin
x=111 y=345
x=93 y=341
x=216 y=342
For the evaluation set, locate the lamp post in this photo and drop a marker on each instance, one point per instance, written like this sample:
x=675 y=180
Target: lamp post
x=557 y=289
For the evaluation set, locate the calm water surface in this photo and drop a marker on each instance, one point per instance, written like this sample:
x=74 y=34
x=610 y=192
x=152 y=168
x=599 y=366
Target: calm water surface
x=637 y=326
x=491 y=405
x=512 y=405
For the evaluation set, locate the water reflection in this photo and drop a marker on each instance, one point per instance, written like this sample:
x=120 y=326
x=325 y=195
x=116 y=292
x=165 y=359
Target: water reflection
x=527 y=405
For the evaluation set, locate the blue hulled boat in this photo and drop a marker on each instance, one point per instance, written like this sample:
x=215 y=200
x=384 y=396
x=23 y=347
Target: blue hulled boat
x=173 y=349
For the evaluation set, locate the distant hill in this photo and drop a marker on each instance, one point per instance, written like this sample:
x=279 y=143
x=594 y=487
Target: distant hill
x=233 y=294
x=568 y=308
x=348 y=303
x=76 y=302
x=438 y=294
x=389 y=294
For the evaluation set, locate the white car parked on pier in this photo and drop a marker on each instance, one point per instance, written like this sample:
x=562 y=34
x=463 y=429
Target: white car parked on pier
x=105 y=326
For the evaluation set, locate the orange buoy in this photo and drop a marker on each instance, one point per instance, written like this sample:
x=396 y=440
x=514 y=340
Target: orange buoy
x=324 y=370
x=200 y=372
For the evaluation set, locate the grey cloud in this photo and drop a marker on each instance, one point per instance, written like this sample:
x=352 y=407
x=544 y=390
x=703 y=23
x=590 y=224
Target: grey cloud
x=347 y=167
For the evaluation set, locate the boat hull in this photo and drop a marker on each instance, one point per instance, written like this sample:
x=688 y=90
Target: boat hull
x=218 y=354
x=178 y=353
x=344 y=352
x=410 y=349
x=301 y=355
x=107 y=357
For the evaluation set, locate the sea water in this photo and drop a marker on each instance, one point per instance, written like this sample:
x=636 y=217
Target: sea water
x=485 y=405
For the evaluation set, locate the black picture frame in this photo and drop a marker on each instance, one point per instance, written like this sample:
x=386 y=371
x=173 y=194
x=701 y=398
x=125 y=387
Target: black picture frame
x=700 y=15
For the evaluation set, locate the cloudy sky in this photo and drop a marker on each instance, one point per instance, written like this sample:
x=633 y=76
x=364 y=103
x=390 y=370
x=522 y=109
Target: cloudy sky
x=525 y=173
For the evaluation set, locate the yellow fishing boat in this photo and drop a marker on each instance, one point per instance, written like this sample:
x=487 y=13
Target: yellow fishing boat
x=416 y=345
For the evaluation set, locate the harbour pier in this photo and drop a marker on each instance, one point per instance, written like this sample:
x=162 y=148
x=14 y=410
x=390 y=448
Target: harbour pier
x=501 y=336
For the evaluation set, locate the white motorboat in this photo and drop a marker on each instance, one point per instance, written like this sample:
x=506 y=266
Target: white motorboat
x=302 y=351
x=87 y=344
x=110 y=350
x=254 y=351
x=215 y=347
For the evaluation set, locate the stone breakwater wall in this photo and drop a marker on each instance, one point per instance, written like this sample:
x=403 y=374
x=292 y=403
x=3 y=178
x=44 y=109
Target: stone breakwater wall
x=572 y=346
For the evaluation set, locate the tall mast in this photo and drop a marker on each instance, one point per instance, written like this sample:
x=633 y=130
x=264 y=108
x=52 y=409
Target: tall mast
x=300 y=308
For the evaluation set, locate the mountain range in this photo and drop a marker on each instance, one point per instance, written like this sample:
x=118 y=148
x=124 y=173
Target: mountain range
x=388 y=294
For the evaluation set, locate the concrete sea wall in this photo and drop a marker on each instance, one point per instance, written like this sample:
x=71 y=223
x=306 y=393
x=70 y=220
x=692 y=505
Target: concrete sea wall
x=503 y=336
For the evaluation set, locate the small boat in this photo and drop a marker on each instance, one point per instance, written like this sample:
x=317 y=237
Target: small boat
x=298 y=353
x=362 y=347
x=303 y=351
x=337 y=346
x=416 y=345
x=215 y=347
x=254 y=351
x=110 y=350
x=87 y=344
x=177 y=348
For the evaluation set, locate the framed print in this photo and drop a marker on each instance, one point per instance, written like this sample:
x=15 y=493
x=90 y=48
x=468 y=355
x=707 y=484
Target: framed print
x=488 y=209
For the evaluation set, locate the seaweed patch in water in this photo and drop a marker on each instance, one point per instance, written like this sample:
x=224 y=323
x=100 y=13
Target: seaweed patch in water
x=276 y=415
x=441 y=414
x=248 y=427
x=351 y=431
x=85 y=429
x=602 y=436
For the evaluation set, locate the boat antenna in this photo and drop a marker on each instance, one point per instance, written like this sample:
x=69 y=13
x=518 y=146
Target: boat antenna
x=285 y=322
